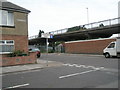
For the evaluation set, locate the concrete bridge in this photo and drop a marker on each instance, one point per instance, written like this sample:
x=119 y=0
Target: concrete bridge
x=91 y=31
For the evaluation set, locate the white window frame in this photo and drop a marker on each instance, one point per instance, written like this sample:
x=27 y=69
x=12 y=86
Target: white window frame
x=10 y=16
x=5 y=43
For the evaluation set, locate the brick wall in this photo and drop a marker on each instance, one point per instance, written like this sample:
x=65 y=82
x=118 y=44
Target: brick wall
x=87 y=46
x=21 y=41
x=8 y=61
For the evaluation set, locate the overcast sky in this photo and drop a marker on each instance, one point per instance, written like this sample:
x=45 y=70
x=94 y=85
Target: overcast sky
x=51 y=15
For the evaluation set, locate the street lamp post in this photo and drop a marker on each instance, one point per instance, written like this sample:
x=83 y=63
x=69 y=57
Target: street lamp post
x=87 y=15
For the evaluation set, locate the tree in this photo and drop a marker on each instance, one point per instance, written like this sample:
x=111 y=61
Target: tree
x=101 y=25
x=40 y=33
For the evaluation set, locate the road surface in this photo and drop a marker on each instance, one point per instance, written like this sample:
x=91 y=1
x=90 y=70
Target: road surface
x=77 y=71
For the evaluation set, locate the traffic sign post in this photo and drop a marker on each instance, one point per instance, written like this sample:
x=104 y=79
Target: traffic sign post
x=47 y=45
x=51 y=36
x=47 y=36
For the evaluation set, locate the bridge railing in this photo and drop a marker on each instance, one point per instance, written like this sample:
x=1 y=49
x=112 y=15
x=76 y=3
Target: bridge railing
x=32 y=37
x=99 y=24
x=108 y=22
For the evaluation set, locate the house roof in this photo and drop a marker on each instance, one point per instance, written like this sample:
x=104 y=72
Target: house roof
x=5 y=5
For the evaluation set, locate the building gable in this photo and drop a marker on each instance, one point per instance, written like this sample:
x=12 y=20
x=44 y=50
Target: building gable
x=12 y=7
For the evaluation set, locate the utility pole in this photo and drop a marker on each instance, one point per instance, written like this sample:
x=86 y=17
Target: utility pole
x=87 y=15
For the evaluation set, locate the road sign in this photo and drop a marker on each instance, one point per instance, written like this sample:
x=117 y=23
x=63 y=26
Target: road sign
x=51 y=36
x=45 y=35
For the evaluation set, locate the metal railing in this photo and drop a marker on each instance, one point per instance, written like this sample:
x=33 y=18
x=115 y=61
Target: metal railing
x=99 y=24
x=33 y=37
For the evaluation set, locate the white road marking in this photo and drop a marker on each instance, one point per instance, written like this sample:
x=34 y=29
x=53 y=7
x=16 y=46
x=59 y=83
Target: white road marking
x=84 y=66
x=61 y=77
x=15 y=73
x=17 y=86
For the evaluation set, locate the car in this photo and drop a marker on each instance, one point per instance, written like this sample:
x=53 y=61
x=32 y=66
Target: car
x=38 y=53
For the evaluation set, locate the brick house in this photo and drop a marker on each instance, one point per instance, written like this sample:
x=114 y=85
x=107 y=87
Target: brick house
x=13 y=28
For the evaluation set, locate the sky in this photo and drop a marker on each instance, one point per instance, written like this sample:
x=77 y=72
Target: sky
x=51 y=15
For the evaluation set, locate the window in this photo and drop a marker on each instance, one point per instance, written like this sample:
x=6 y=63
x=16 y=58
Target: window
x=6 y=45
x=2 y=42
x=112 y=45
x=9 y=42
x=6 y=18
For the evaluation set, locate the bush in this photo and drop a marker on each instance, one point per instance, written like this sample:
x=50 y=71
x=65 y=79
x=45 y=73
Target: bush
x=17 y=53
x=76 y=28
x=51 y=51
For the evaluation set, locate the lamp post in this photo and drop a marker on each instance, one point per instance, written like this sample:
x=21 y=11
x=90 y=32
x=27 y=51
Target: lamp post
x=87 y=15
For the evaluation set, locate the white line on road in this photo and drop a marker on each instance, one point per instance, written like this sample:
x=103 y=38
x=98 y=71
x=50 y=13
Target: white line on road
x=79 y=73
x=17 y=86
x=83 y=66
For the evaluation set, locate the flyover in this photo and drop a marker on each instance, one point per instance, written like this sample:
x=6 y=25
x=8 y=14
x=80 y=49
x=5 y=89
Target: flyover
x=93 y=30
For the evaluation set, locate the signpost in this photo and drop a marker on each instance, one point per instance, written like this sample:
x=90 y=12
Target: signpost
x=47 y=36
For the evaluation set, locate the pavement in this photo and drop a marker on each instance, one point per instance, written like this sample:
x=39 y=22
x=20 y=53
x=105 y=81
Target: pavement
x=20 y=68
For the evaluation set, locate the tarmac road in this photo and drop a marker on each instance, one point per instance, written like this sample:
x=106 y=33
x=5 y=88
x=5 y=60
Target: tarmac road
x=85 y=59
x=77 y=71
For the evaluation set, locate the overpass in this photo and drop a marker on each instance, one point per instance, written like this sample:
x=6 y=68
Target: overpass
x=91 y=31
